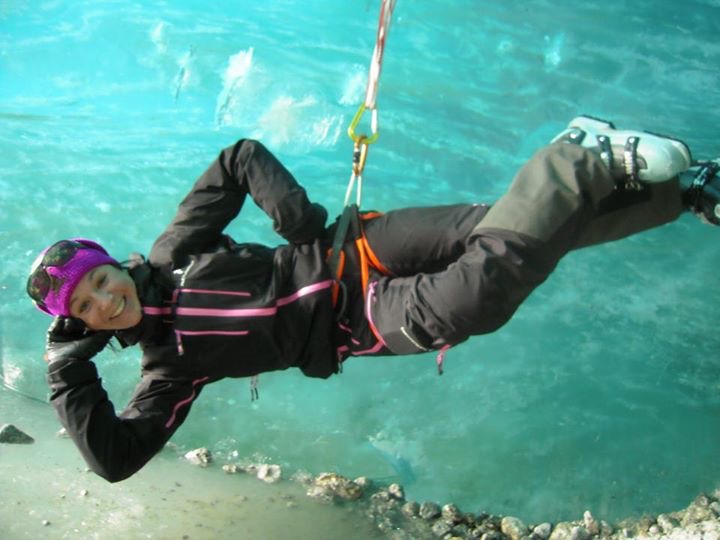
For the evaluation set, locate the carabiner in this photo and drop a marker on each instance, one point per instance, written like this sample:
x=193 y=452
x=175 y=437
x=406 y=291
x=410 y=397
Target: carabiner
x=373 y=126
x=360 y=152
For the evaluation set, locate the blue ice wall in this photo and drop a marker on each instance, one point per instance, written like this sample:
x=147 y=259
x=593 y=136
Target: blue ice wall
x=602 y=393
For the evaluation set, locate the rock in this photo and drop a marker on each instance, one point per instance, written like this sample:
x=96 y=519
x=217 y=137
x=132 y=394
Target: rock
x=632 y=527
x=62 y=434
x=475 y=532
x=667 y=523
x=470 y=520
x=383 y=504
x=543 y=531
x=396 y=491
x=461 y=530
x=492 y=535
x=230 y=468
x=451 y=513
x=84 y=493
x=606 y=530
x=513 y=527
x=562 y=531
x=715 y=507
x=364 y=482
x=338 y=486
x=320 y=494
x=700 y=510
x=429 y=510
x=441 y=527
x=644 y=524
x=45 y=522
x=269 y=473
x=200 y=457
x=579 y=533
x=410 y=509
x=11 y=435
x=654 y=530
x=486 y=527
x=591 y=524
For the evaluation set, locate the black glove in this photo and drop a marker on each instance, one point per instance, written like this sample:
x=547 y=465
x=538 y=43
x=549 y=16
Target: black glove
x=309 y=227
x=68 y=338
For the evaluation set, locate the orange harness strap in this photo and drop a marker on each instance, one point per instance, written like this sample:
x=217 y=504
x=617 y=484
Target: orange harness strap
x=368 y=259
x=335 y=289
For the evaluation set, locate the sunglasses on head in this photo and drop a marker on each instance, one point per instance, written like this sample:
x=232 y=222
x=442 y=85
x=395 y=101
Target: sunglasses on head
x=40 y=281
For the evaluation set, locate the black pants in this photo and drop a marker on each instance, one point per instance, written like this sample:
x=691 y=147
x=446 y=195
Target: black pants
x=463 y=270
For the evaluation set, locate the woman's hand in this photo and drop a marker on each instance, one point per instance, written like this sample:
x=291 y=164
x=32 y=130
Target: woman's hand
x=68 y=338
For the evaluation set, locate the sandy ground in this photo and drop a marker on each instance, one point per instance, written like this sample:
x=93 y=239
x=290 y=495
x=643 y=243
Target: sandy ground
x=47 y=492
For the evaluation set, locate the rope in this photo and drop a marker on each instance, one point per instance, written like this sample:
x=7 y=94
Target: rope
x=362 y=141
x=386 y=10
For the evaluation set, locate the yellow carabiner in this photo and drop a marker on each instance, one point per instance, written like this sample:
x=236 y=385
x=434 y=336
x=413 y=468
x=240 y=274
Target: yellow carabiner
x=373 y=124
x=360 y=152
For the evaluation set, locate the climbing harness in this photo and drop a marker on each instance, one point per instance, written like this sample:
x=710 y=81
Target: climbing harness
x=350 y=224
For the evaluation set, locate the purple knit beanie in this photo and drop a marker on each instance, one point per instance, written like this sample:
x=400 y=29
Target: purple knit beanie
x=64 y=278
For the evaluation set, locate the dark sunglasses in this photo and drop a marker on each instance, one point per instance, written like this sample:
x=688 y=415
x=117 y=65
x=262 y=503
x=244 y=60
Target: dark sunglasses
x=40 y=282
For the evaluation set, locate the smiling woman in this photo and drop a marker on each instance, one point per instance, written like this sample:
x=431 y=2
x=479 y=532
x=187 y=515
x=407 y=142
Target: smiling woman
x=204 y=307
x=106 y=299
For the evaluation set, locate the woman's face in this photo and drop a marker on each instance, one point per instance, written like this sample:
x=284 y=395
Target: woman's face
x=106 y=299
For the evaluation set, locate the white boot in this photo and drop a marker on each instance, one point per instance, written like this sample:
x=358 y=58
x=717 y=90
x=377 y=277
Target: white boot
x=631 y=156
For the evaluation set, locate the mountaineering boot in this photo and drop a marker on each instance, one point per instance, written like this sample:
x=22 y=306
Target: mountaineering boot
x=701 y=191
x=633 y=157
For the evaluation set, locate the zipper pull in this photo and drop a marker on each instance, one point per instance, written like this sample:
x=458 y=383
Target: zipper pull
x=441 y=358
x=178 y=338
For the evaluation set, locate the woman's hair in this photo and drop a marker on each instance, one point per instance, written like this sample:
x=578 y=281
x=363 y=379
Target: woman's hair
x=134 y=259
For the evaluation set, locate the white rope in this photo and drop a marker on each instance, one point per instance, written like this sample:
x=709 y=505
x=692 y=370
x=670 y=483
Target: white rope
x=386 y=11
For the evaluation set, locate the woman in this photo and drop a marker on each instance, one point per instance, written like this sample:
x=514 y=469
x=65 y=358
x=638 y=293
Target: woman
x=203 y=307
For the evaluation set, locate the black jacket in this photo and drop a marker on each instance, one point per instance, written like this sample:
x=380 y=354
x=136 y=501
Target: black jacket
x=212 y=309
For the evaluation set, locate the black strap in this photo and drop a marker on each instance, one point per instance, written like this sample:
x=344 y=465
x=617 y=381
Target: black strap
x=606 y=153
x=348 y=222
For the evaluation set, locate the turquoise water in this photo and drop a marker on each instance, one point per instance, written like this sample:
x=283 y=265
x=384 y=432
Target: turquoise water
x=602 y=393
